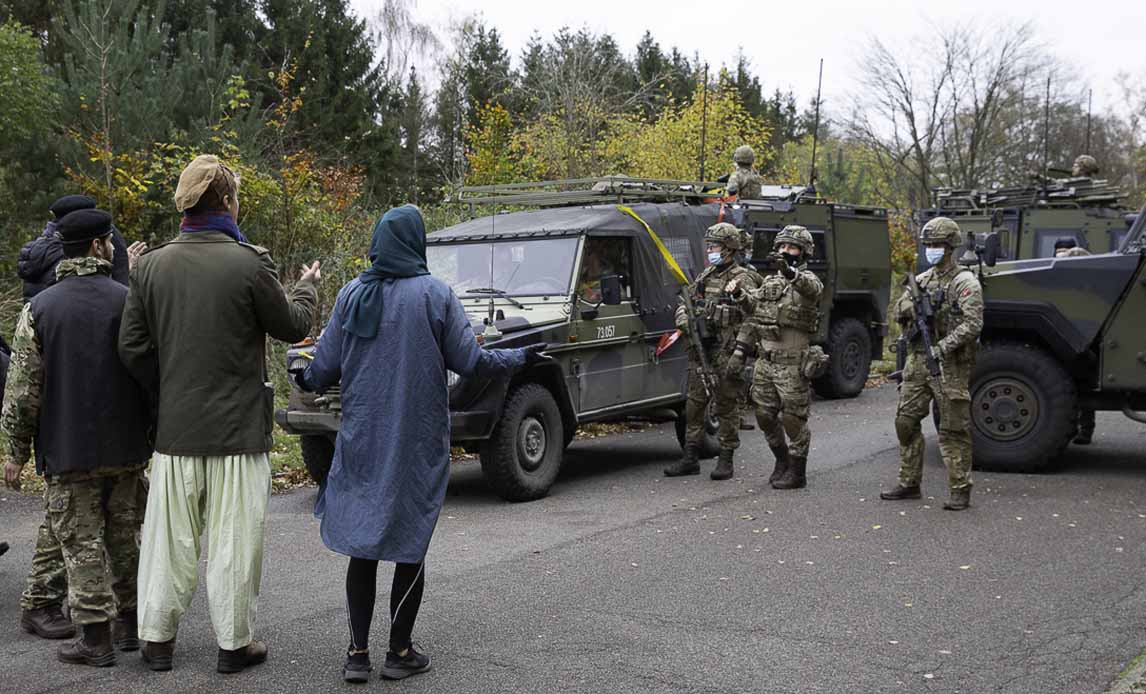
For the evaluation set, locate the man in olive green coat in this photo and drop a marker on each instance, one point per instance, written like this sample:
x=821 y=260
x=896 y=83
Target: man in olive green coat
x=194 y=328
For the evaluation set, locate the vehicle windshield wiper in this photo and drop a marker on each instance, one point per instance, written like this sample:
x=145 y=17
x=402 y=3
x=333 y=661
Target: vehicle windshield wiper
x=496 y=292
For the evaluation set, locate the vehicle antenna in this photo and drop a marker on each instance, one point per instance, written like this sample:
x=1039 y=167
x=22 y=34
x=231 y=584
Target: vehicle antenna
x=1089 y=104
x=703 y=120
x=491 y=332
x=816 y=131
x=1046 y=139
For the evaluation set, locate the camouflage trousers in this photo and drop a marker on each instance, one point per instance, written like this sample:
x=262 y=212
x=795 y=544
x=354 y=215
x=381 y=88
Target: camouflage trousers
x=97 y=522
x=952 y=398
x=783 y=398
x=47 y=584
x=725 y=405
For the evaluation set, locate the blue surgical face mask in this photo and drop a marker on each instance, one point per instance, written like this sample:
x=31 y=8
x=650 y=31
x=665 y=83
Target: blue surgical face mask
x=934 y=255
x=714 y=257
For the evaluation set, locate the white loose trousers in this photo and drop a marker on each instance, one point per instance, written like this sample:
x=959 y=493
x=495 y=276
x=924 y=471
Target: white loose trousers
x=227 y=496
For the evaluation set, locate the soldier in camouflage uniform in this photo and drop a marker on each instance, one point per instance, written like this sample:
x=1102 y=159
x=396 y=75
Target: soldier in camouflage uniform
x=744 y=182
x=784 y=316
x=1084 y=165
x=70 y=398
x=721 y=320
x=957 y=299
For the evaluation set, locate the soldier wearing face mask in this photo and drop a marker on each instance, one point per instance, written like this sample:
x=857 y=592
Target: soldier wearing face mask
x=784 y=317
x=719 y=321
x=957 y=298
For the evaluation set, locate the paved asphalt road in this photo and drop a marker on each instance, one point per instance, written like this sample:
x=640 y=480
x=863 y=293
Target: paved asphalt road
x=624 y=581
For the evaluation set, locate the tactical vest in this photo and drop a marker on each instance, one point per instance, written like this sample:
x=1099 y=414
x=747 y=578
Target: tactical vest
x=780 y=306
x=948 y=315
x=722 y=314
x=93 y=414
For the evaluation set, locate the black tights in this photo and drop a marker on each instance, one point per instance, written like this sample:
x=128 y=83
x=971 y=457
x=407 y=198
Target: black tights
x=405 y=599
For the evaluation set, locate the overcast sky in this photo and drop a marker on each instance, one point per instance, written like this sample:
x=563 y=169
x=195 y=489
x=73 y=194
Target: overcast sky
x=784 y=41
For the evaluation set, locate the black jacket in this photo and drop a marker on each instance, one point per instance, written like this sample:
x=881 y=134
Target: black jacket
x=93 y=414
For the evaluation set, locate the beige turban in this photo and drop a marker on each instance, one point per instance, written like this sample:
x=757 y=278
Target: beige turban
x=197 y=178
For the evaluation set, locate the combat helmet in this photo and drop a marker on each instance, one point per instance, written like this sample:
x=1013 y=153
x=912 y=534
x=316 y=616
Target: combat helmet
x=797 y=236
x=744 y=155
x=725 y=234
x=942 y=230
x=1084 y=165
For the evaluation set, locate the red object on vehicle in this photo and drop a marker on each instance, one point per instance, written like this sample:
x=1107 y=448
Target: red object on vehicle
x=667 y=340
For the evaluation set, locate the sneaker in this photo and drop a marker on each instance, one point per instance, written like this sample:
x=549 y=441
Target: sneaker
x=357 y=668
x=399 y=667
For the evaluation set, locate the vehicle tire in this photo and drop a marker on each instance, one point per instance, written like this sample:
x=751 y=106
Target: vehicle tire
x=849 y=349
x=317 y=455
x=522 y=458
x=1022 y=408
x=710 y=446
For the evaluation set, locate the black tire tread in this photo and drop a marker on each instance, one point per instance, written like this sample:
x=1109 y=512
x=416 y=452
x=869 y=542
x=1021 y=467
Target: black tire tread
x=508 y=483
x=1031 y=455
x=317 y=455
x=831 y=385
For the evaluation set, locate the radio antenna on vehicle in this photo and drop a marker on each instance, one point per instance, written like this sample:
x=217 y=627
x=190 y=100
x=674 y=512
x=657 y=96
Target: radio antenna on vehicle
x=1046 y=140
x=491 y=333
x=703 y=120
x=1089 y=104
x=816 y=131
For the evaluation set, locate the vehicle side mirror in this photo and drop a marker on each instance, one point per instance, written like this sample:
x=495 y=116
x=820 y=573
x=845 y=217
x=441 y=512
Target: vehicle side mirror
x=989 y=251
x=610 y=290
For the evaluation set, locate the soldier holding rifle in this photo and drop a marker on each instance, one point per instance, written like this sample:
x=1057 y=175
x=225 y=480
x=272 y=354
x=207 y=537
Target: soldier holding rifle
x=942 y=315
x=710 y=319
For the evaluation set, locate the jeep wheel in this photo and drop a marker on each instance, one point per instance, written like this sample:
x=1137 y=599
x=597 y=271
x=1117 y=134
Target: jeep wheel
x=522 y=458
x=317 y=455
x=1022 y=408
x=849 y=349
x=710 y=446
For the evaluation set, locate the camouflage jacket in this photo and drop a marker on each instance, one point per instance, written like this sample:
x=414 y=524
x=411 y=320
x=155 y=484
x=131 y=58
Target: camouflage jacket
x=22 y=396
x=784 y=312
x=745 y=183
x=722 y=314
x=957 y=298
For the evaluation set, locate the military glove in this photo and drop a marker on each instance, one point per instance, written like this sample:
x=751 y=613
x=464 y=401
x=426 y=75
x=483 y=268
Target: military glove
x=788 y=272
x=937 y=353
x=735 y=364
x=533 y=354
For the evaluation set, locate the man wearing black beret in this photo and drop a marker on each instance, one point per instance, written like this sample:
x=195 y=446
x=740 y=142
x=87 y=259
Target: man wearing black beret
x=71 y=401
x=36 y=264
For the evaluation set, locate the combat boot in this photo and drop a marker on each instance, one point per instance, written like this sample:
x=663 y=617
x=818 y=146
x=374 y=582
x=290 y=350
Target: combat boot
x=723 y=469
x=240 y=659
x=782 y=462
x=901 y=492
x=795 y=476
x=124 y=632
x=158 y=654
x=93 y=648
x=689 y=464
x=959 y=499
x=47 y=622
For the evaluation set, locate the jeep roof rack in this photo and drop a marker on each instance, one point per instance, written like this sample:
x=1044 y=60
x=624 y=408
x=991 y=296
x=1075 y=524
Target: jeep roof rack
x=581 y=191
x=1054 y=192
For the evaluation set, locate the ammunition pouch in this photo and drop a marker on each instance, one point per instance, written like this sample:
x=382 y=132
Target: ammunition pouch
x=704 y=332
x=773 y=291
x=806 y=319
x=816 y=362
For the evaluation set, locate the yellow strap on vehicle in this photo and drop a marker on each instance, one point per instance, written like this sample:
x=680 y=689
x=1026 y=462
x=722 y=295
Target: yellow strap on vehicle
x=669 y=260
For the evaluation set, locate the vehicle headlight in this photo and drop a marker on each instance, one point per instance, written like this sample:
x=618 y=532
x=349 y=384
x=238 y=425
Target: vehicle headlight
x=297 y=363
x=452 y=379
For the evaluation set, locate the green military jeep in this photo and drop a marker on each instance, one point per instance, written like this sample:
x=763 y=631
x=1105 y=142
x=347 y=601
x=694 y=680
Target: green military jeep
x=588 y=280
x=853 y=260
x=1059 y=334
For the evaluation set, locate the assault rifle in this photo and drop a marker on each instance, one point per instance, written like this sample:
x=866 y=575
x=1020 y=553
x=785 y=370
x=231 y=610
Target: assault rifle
x=920 y=329
x=697 y=331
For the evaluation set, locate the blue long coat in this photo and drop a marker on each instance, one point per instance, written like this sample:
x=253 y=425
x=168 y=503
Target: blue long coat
x=392 y=457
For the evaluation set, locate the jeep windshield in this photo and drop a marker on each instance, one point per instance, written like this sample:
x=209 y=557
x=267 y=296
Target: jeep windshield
x=534 y=267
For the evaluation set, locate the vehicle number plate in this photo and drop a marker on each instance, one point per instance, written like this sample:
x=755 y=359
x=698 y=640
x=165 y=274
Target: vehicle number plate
x=604 y=332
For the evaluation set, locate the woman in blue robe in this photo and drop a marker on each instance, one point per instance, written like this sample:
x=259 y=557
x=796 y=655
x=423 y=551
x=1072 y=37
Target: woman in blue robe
x=392 y=335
